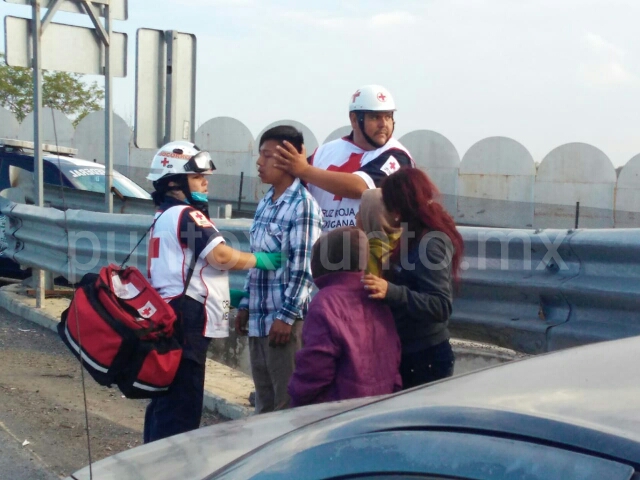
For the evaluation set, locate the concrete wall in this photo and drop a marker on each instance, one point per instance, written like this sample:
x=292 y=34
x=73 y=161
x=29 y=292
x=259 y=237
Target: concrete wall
x=231 y=145
x=627 y=206
x=9 y=126
x=437 y=156
x=572 y=173
x=233 y=351
x=89 y=139
x=56 y=128
x=338 y=133
x=495 y=184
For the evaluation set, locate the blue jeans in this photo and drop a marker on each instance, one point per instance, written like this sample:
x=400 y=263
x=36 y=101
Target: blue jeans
x=181 y=408
x=428 y=365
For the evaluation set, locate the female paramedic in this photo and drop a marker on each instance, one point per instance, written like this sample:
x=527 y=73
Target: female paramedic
x=182 y=231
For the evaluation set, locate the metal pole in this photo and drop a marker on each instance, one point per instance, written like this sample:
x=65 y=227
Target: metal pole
x=38 y=194
x=108 y=109
x=240 y=191
x=577 y=214
x=172 y=90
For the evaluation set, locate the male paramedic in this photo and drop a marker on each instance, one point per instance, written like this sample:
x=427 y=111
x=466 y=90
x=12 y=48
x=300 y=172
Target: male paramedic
x=339 y=171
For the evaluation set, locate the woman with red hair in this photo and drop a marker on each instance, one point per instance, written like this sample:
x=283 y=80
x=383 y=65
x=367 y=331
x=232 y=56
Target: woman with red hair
x=418 y=286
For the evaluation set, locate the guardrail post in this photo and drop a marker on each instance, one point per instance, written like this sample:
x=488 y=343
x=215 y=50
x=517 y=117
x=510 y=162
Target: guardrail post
x=240 y=191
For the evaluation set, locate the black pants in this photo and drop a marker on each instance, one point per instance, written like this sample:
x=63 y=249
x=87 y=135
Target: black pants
x=181 y=408
x=427 y=365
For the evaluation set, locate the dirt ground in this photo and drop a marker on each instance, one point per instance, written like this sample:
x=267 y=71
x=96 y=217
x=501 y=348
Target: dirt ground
x=42 y=401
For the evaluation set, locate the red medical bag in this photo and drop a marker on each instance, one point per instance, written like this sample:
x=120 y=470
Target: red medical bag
x=124 y=332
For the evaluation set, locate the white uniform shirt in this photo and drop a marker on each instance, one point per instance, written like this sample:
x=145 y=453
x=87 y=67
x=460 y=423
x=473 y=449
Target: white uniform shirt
x=177 y=234
x=342 y=155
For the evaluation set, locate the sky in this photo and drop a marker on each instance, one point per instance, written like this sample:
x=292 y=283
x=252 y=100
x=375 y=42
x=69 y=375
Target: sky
x=543 y=72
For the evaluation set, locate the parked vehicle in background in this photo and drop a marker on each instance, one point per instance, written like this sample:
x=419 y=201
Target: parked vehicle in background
x=573 y=414
x=59 y=168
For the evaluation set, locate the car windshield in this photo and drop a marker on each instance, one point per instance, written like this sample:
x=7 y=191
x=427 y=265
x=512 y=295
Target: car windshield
x=93 y=179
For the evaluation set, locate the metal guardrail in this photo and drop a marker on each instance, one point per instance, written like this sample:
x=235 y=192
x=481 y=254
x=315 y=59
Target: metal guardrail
x=70 y=198
x=73 y=243
x=539 y=291
x=531 y=291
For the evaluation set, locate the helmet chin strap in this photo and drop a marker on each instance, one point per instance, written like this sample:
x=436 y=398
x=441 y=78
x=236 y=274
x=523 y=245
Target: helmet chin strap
x=182 y=185
x=360 y=117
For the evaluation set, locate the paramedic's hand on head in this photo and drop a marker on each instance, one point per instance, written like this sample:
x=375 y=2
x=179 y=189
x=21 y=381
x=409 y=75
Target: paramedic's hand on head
x=279 y=333
x=242 y=320
x=290 y=160
x=268 y=261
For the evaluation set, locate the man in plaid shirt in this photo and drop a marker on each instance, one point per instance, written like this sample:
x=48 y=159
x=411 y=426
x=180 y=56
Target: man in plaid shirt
x=288 y=219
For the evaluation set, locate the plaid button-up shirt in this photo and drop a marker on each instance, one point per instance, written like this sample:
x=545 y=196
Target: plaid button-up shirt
x=291 y=224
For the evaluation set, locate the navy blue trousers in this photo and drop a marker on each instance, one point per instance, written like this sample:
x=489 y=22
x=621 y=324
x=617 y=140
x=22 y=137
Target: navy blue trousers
x=181 y=408
x=428 y=365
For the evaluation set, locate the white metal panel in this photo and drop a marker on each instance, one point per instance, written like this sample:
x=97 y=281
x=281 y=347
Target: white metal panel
x=496 y=200
x=181 y=86
x=151 y=82
x=499 y=156
x=310 y=141
x=65 y=48
x=9 y=126
x=57 y=129
x=139 y=163
x=437 y=157
x=497 y=187
x=89 y=139
x=338 y=133
x=576 y=163
x=629 y=176
x=431 y=149
x=628 y=195
x=231 y=145
x=575 y=172
x=253 y=189
x=495 y=184
x=556 y=205
x=119 y=8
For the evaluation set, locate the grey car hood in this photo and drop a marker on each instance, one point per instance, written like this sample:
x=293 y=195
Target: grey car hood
x=595 y=387
x=196 y=454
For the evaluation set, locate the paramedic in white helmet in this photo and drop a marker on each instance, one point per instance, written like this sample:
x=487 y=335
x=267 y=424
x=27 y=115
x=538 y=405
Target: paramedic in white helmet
x=339 y=171
x=182 y=231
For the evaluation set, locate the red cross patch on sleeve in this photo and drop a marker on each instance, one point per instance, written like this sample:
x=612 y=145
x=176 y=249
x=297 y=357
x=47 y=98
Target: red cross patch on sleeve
x=200 y=219
x=390 y=165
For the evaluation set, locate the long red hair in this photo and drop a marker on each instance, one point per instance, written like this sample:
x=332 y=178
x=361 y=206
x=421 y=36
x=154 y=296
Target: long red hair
x=411 y=195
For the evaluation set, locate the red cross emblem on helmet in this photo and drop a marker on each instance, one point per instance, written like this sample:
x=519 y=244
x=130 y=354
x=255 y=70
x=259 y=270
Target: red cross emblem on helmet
x=382 y=97
x=164 y=162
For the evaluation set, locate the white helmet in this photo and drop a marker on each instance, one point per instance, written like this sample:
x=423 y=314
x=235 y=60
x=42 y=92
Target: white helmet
x=177 y=158
x=372 y=98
